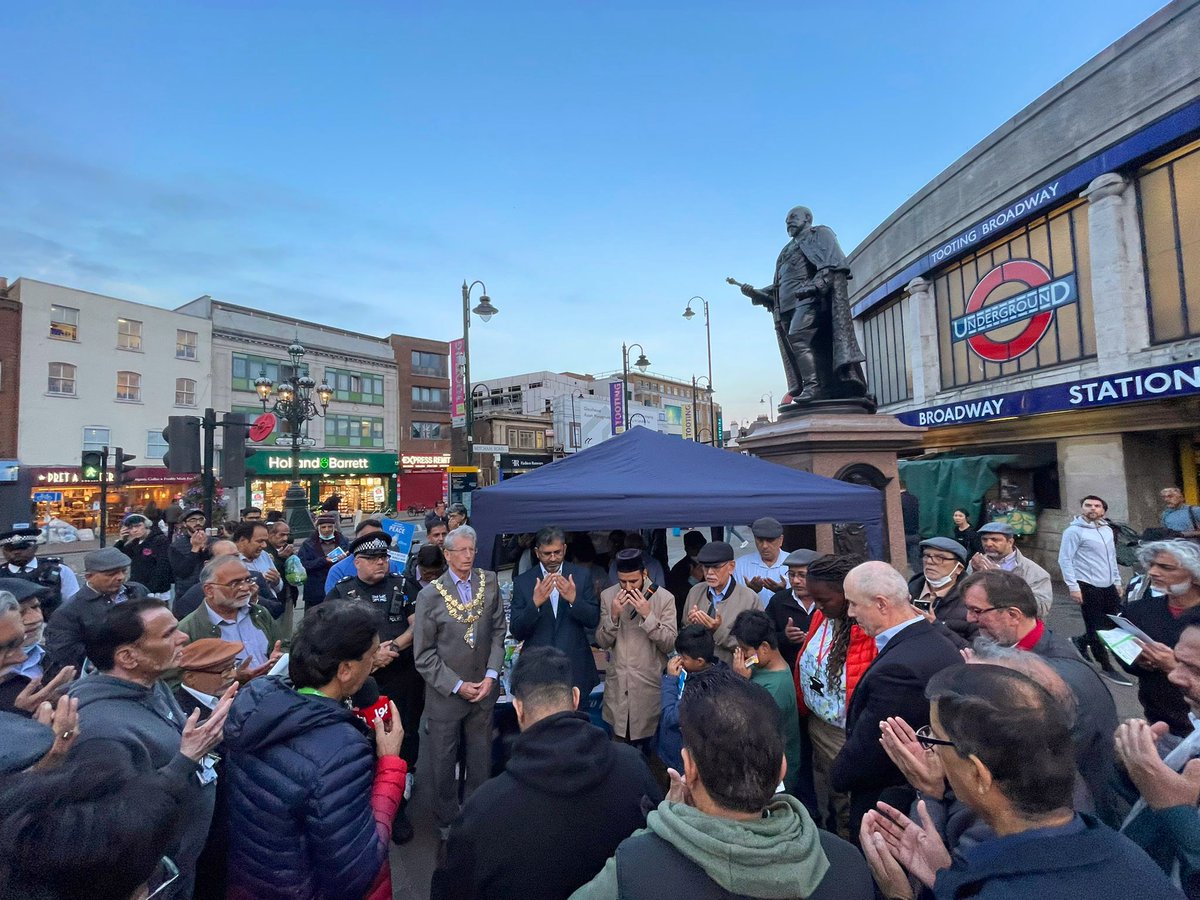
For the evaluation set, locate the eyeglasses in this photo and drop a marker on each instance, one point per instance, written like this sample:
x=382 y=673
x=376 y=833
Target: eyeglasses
x=458 y=549
x=971 y=611
x=929 y=557
x=928 y=741
x=237 y=583
x=165 y=874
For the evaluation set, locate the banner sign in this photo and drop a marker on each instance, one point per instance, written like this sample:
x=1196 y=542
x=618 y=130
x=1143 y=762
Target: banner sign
x=1036 y=304
x=1133 y=148
x=1160 y=382
x=458 y=390
x=616 y=403
x=402 y=538
x=689 y=426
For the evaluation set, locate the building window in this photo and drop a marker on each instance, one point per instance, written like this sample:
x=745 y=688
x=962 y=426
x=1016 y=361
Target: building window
x=95 y=437
x=887 y=355
x=156 y=445
x=129 y=334
x=1168 y=195
x=530 y=440
x=971 y=352
x=185 y=344
x=353 y=431
x=432 y=364
x=129 y=386
x=427 y=398
x=355 y=387
x=185 y=392
x=64 y=323
x=62 y=379
x=427 y=431
x=247 y=367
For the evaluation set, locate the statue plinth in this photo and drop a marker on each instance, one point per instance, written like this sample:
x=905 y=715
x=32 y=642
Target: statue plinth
x=857 y=448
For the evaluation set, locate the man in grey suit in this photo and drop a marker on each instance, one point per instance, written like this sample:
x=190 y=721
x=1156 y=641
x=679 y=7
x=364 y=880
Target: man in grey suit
x=458 y=642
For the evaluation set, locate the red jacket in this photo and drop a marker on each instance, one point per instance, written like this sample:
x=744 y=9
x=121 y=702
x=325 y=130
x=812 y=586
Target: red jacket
x=860 y=654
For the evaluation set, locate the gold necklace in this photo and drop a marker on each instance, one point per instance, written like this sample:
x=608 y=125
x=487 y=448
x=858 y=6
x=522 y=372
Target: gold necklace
x=466 y=614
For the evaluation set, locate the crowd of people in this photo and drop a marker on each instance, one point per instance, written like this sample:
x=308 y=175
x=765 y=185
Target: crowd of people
x=191 y=719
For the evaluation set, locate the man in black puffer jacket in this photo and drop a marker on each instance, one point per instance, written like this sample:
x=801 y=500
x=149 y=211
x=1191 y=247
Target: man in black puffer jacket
x=569 y=796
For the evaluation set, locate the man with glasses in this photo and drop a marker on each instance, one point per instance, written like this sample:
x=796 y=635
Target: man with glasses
x=1004 y=608
x=719 y=599
x=935 y=590
x=554 y=604
x=458 y=643
x=999 y=542
x=229 y=613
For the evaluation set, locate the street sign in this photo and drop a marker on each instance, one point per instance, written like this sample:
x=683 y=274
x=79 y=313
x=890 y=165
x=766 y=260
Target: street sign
x=47 y=496
x=490 y=448
x=262 y=427
x=286 y=441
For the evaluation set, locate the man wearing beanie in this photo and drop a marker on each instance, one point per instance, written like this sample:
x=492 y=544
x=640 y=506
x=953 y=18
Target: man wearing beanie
x=324 y=547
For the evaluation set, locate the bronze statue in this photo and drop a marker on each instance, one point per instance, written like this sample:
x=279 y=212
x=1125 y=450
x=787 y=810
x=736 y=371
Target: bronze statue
x=811 y=308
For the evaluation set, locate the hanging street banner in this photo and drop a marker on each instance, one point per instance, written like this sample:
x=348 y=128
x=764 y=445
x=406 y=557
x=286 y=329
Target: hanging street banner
x=458 y=391
x=1160 y=382
x=616 y=403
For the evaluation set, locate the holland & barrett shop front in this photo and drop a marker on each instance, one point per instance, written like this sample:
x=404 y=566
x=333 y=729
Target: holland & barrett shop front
x=364 y=481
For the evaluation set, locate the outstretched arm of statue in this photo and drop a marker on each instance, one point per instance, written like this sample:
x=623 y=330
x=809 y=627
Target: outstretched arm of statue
x=764 y=297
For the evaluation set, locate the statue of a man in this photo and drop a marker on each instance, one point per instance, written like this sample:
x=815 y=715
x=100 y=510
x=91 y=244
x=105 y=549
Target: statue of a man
x=810 y=305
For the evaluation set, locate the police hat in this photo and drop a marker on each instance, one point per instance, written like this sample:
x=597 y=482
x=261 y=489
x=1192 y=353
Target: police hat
x=374 y=544
x=715 y=553
x=948 y=545
x=19 y=538
x=997 y=528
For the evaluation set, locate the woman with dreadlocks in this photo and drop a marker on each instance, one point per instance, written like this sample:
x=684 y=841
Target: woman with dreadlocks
x=831 y=661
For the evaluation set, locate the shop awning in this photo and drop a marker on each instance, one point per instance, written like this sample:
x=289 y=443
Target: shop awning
x=644 y=479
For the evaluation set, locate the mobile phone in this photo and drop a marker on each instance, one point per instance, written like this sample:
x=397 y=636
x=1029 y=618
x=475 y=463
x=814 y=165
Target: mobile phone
x=922 y=605
x=751 y=660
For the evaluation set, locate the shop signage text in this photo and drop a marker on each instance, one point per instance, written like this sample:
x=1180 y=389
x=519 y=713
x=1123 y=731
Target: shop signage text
x=273 y=463
x=616 y=403
x=424 y=460
x=321 y=462
x=1160 y=382
x=1035 y=305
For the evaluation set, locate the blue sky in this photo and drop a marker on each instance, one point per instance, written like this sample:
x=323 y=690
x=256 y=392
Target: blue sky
x=596 y=164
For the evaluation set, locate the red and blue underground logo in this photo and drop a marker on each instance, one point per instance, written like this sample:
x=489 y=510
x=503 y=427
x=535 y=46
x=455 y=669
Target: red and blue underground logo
x=1038 y=295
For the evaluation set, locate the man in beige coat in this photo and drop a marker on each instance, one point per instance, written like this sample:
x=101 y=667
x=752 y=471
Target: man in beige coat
x=637 y=622
x=458 y=644
x=717 y=601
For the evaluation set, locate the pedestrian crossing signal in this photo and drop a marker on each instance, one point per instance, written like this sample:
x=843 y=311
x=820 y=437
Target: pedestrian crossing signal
x=91 y=466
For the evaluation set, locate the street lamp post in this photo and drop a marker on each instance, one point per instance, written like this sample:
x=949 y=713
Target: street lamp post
x=294 y=404
x=696 y=422
x=768 y=398
x=485 y=311
x=575 y=393
x=688 y=313
x=641 y=364
x=645 y=421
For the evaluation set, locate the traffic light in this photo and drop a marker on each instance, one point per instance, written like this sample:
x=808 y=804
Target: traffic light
x=92 y=465
x=182 y=435
x=122 y=474
x=234 y=450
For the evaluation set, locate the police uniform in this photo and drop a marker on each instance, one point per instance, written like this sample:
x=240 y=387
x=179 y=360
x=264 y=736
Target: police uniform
x=49 y=572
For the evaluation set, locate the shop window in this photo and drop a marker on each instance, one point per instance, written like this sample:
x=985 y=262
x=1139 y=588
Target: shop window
x=185 y=344
x=129 y=334
x=95 y=437
x=129 y=387
x=426 y=431
x=433 y=365
x=887 y=355
x=185 y=392
x=525 y=440
x=353 y=431
x=973 y=350
x=64 y=323
x=62 y=379
x=156 y=445
x=427 y=398
x=1168 y=194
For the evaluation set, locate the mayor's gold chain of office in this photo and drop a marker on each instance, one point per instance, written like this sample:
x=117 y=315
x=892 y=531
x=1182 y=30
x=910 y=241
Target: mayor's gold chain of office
x=461 y=612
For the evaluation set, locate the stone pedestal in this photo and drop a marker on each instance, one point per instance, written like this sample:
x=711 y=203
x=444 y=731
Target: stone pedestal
x=857 y=448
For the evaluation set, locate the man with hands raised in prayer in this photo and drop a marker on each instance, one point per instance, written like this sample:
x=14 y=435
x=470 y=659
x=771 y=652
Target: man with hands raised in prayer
x=718 y=600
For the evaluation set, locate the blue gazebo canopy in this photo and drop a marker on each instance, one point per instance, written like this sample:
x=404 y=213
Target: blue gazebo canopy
x=644 y=479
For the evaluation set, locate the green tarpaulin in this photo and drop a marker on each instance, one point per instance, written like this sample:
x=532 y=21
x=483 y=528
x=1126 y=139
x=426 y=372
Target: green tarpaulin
x=945 y=483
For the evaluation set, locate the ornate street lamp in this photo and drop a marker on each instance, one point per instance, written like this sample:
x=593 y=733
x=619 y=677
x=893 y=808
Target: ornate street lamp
x=574 y=422
x=769 y=399
x=485 y=311
x=689 y=314
x=295 y=405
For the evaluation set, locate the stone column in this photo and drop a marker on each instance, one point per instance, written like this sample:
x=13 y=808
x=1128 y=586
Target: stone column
x=920 y=331
x=1118 y=280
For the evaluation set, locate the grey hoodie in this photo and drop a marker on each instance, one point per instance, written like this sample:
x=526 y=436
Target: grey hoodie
x=1088 y=554
x=146 y=724
x=777 y=856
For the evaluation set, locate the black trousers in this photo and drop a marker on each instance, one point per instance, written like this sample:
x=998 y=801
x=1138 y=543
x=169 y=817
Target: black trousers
x=1098 y=604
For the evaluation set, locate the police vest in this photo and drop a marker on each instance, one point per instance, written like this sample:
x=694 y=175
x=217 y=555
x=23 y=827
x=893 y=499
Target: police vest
x=48 y=575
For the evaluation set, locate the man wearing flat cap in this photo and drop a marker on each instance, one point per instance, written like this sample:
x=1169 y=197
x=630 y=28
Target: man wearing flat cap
x=189 y=550
x=764 y=571
x=637 y=624
x=791 y=609
x=999 y=542
x=717 y=601
x=106 y=583
x=934 y=589
x=19 y=547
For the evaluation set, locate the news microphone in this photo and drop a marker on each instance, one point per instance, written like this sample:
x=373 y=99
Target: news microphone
x=371 y=706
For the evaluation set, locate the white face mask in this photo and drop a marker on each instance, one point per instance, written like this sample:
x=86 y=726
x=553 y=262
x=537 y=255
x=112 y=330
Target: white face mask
x=938 y=583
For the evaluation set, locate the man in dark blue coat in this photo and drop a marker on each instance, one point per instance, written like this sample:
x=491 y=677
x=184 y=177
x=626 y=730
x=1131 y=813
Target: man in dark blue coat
x=554 y=604
x=911 y=651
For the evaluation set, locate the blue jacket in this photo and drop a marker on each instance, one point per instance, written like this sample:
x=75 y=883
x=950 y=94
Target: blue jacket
x=670 y=741
x=1092 y=863
x=537 y=626
x=317 y=565
x=344 y=568
x=300 y=771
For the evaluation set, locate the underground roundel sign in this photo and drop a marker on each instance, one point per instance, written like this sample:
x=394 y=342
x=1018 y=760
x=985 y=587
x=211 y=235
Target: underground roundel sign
x=1037 y=295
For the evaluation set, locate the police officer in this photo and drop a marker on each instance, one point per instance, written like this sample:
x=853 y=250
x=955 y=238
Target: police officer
x=20 y=555
x=395 y=671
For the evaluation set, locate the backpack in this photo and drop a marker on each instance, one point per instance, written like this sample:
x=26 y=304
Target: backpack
x=1126 y=541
